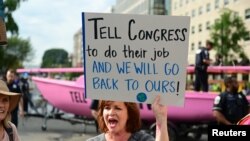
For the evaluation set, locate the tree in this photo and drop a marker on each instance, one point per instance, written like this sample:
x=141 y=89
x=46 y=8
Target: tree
x=15 y=53
x=9 y=7
x=17 y=50
x=54 y=58
x=226 y=34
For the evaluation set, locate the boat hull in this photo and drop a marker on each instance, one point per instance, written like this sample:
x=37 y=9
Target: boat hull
x=69 y=97
x=65 y=95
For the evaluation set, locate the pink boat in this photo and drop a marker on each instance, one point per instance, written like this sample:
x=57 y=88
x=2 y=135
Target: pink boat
x=69 y=96
x=65 y=95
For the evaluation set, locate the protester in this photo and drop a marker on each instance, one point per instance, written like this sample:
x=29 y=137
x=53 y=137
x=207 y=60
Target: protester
x=231 y=105
x=25 y=92
x=202 y=61
x=32 y=91
x=13 y=87
x=27 y=96
x=234 y=62
x=120 y=121
x=8 y=102
x=244 y=62
x=218 y=60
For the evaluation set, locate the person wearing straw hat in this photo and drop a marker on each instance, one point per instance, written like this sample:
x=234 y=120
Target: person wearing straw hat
x=8 y=102
x=13 y=86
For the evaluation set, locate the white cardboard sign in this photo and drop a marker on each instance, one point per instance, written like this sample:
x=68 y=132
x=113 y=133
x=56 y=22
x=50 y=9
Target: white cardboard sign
x=133 y=58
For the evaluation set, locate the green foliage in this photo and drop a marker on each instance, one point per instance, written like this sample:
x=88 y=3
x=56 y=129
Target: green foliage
x=226 y=33
x=17 y=50
x=54 y=58
x=15 y=53
x=9 y=7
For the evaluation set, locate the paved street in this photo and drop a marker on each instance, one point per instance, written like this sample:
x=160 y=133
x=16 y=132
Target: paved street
x=57 y=130
x=30 y=128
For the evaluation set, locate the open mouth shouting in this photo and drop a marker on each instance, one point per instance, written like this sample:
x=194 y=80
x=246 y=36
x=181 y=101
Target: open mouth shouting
x=112 y=122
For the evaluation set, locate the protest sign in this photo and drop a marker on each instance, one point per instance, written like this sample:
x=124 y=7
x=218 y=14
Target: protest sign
x=133 y=58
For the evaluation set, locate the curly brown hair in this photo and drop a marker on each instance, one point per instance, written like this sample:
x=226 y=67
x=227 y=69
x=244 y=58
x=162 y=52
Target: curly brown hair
x=134 y=121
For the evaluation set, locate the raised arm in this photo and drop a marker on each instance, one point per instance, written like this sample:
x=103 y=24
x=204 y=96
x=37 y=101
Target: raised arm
x=160 y=112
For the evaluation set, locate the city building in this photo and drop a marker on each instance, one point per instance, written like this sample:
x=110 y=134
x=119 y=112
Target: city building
x=77 y=56
x=149 y=7
x=203 y=14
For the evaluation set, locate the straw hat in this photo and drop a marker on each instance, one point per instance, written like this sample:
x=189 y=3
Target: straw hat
x=14 y=97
